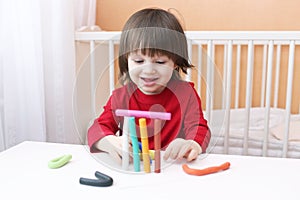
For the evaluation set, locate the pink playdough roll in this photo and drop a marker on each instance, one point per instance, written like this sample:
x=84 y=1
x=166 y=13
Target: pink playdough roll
x=143 y=114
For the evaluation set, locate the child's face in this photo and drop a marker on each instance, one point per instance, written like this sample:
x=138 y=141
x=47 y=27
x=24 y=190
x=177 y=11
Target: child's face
x=150 y=74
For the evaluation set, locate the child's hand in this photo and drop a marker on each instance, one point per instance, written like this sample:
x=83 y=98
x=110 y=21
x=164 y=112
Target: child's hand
x=180 y=148
x=112 y=145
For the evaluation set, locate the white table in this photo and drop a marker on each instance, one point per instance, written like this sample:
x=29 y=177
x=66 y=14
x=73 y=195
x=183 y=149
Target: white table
x=24 y=174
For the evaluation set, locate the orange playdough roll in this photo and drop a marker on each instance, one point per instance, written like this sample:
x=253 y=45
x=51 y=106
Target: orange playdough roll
x=205 y=171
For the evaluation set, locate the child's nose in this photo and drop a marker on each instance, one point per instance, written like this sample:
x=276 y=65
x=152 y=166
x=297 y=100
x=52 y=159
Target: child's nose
x=149 y=68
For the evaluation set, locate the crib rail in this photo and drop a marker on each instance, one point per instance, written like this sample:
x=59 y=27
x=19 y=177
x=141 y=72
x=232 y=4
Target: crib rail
x=227 y=55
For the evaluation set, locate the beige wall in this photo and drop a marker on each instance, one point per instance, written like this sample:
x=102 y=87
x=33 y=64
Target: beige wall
x=217 y=15
x=209 y=14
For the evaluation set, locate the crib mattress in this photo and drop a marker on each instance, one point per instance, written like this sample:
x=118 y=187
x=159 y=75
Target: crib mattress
x=256 y=133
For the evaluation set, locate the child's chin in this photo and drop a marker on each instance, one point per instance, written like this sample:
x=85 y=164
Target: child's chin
x=150 y=91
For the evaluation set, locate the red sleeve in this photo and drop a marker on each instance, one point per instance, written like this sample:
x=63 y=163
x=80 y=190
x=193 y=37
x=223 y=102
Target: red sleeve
x=106 y=124
x=195 y=126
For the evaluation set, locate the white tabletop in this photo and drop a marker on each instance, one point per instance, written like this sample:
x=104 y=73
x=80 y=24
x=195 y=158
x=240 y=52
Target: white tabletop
x=24 y=174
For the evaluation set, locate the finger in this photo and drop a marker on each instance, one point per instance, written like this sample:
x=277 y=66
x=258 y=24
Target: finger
x=183 y=151
x=130 y=149
x=130 y=154
x=174 y=151
x=171 y=152
x=116 y=156
x=192 y=155
x=130 y=159
x=118 y=152
x=167 y=153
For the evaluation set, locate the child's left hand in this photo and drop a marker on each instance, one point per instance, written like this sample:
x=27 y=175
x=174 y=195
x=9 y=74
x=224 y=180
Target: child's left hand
x=181 y=148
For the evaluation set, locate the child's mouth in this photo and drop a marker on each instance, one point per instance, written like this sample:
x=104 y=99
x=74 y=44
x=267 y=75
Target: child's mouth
x=149 y=81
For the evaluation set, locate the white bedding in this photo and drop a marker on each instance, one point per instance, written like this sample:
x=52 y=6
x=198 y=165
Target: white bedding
x=255 y=133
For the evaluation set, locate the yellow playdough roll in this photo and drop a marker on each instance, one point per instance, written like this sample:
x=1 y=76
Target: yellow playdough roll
x=145 y=144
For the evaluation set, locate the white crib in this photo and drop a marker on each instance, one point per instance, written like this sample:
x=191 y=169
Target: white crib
x=233 y=67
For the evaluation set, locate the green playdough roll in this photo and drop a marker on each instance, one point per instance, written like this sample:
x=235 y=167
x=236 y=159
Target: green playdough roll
x=60 y=161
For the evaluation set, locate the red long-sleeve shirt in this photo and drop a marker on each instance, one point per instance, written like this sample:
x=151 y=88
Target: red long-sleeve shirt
x=179 y=98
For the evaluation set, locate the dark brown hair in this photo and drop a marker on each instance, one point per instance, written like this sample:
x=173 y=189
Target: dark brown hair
x=154 y=31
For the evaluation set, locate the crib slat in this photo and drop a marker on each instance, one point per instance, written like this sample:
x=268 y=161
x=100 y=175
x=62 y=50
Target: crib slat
x=199 y=72
x=276 y=88
x=228 y=96
x=248 y=94
x=289 y=97
x=263 y=81
x=268 y=97
x=237 y=77
x=225 y=55
x=209 y=80
x=92 y=75
x=111 y=55
x=213 y=67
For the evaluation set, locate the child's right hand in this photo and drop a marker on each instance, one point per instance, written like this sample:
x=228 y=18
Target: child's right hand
x=112 y=145
x=181 y=148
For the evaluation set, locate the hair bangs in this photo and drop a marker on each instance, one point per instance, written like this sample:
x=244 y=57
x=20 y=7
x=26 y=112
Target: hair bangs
x=153 y=41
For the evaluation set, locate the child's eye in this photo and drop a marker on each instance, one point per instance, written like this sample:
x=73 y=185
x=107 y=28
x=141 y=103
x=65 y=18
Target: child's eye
x=160 y=62
x=139 y=61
